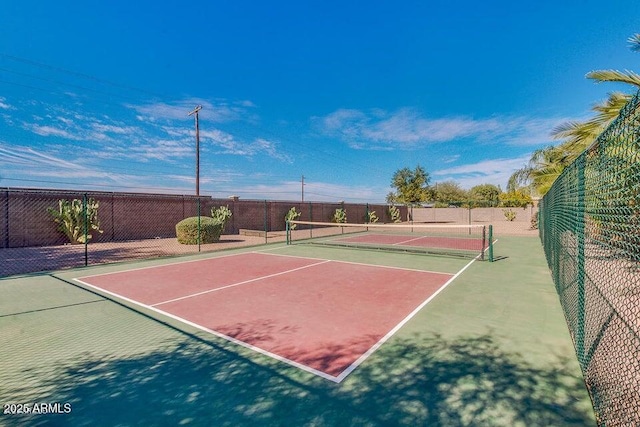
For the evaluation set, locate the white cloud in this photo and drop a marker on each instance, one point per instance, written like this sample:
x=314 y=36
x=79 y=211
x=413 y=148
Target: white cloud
x=220 y=112
x=4 y=105
x=51 y=131
x=110 y=128
x=313 y=191
x=36 y=161
x=450 y=159
x=495 y=172
x=408 y=129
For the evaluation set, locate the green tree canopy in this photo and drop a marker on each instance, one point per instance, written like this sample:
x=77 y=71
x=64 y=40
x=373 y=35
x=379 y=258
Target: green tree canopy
x=485 y=194
x=516 y=199
x=412 y=186
x=449 y=192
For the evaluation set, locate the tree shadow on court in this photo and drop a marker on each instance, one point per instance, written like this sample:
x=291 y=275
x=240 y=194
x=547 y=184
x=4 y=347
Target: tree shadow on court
x=421 y=380
x=256 y=332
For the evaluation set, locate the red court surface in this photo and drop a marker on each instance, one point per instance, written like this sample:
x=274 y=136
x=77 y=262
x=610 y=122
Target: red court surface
x=322 y=316
x=460 y=243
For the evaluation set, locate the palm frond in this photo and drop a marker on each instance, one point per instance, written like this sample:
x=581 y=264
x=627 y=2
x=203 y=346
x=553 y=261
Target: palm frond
x=634 y=41
x=610 y=109
x=571 y=129
x=627 y=76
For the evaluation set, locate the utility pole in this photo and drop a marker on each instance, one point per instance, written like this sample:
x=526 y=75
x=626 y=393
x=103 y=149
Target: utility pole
x=302 y=186
x=195 y=112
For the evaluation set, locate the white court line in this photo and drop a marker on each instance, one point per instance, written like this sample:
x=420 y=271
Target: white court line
x=357 y=263
x=169 y=264
x=393 y=331
x=218 y=334
x=407 y=241
x=343 y=374
x=240 y=283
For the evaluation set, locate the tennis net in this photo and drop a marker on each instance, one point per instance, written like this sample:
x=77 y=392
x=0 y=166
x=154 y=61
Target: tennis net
x=474 y=241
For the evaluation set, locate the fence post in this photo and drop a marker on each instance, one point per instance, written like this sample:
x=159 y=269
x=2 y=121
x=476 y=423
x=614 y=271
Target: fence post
x=85 y=229
x=199 y=230
x=266 y=226
x=310 y=219
x=6 y=213
x=469 y=209
x=580 y=205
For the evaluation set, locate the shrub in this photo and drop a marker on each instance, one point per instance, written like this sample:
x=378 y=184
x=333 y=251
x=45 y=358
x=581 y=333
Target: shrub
x=371 y=217
x=509 y=214
x=72 y=219
x=534 y=221
x=339 y=216
x=187 y=230
x=515 y=199
x=394 y=213
x=292 y=215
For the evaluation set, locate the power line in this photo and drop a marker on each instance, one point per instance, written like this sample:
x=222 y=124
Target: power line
x=78 y=74
x=90 y=94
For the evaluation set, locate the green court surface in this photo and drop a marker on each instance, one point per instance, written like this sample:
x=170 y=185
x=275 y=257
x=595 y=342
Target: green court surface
x=491 y=349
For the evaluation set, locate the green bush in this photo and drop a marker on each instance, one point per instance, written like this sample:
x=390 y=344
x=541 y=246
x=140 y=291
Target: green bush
x=339 y=216
x=187 y=230
x=72 y=219
x=292 y=215
x=534 y=221
x=509 y=214
x=394 y=213
x=371 y=217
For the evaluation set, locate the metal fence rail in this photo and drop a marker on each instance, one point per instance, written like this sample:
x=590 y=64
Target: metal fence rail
x=590 y=229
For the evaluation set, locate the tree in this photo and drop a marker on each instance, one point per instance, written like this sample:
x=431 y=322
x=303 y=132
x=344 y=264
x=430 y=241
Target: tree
x=515 y=199
x=412 y=186
x=547 y=164
x=449 y=192
x=485 y=195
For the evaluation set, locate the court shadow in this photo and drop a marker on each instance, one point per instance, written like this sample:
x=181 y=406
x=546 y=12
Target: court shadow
x=421 y=380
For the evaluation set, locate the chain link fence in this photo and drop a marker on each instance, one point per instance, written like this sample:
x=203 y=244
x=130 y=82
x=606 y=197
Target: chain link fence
x=515 y=221
x=43 y=230
x=590 y=229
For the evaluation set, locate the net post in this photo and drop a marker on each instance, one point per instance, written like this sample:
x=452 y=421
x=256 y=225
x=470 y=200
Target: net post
x=490 y=242
x=288 y=228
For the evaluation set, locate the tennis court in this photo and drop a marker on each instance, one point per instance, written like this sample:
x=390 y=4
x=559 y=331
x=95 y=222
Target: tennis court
x=302 y=334
x=321 y=315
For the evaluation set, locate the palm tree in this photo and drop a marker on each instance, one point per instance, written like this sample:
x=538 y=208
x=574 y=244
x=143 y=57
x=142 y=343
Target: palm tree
x=578 y=136
x=544 y=167
x=548 y=163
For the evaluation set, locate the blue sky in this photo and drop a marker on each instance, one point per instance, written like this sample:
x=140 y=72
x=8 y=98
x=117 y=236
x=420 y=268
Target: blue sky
x=345 y=93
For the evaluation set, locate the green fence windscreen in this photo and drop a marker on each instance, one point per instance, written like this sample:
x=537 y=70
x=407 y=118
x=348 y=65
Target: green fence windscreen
x=590 y=229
